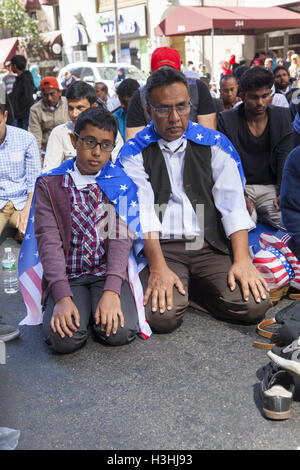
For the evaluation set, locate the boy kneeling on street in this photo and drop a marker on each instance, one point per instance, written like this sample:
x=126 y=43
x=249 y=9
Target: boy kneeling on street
x=84 y=268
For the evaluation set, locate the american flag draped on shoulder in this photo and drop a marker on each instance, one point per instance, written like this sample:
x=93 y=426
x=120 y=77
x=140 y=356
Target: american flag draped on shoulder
x=122 y=192
x=194 y=132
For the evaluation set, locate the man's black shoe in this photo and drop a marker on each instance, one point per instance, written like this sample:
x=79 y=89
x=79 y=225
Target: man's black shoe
x=277 y=390
x=288 y=357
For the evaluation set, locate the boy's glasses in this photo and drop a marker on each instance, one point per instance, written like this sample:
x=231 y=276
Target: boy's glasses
x=90 y=143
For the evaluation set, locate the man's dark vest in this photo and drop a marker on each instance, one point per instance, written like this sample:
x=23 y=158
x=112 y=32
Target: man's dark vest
x=197 y=182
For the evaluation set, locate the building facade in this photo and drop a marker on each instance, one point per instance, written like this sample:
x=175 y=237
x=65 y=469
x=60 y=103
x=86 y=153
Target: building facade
x=88 y=33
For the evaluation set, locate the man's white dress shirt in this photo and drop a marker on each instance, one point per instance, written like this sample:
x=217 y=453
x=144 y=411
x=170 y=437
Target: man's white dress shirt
x=180 y=219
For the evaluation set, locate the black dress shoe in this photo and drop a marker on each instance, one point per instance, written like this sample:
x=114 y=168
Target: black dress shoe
x=277 y=390
x=288 y=357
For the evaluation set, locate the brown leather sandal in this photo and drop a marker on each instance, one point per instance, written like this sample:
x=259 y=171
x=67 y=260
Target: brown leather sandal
x=266 y=334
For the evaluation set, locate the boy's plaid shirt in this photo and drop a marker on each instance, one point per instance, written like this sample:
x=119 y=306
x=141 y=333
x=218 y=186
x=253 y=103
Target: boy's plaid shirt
x=89 y=218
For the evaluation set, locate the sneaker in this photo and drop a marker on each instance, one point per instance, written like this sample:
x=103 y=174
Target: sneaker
x=288 y=357
x=7 y=332
x=277 y=390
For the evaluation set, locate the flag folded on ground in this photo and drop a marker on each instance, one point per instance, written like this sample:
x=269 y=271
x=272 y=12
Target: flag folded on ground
x=276 y=262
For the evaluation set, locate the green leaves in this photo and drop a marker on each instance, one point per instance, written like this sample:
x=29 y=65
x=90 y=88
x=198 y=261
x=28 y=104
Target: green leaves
x=13 y=17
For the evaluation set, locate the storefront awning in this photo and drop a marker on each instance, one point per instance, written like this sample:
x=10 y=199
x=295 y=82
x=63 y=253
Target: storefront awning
x=187 y=20
x=49 y=2
x=8 y=48
x=53 y=41
x=31 y=5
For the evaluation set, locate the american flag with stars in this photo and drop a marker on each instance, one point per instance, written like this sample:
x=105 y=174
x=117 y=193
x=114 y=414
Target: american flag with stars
x=194 y=132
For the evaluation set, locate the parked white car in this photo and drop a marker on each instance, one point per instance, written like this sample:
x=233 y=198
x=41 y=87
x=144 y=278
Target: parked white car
x=92 y=72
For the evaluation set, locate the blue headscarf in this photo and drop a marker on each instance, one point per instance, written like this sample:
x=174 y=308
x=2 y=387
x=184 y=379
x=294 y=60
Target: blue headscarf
x=36 y=76
x=119 y=78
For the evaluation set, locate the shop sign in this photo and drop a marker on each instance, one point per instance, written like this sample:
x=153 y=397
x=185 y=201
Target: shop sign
x=132 y=22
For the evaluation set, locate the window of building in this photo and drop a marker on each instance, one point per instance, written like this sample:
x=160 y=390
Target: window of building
x=294 y=39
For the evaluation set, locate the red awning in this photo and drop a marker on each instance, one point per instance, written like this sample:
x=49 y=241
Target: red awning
x=8 y=48
x=186 y=20
x=31 y=5
x=49 y=2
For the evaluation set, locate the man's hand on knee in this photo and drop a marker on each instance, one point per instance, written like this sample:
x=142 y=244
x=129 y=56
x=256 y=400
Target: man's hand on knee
x=249 y=278
x=160 y=286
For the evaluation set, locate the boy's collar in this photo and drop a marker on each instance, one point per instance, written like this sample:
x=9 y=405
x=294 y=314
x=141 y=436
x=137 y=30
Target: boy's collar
x=81 y=181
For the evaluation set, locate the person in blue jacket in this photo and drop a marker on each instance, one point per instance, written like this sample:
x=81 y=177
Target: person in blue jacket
x=124 y=91
x=290 y=199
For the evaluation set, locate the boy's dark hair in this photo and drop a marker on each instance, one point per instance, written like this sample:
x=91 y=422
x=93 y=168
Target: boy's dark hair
x=280 y=67
x=19 y=61
x=104 y=87
x=2 y=109
x=127 y=87
x=164 y=76
x=98 y=117
x=255 y=79
x=79 y=90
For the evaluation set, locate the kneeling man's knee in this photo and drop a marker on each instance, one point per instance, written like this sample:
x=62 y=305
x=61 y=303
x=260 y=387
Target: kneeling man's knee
x=255 y=311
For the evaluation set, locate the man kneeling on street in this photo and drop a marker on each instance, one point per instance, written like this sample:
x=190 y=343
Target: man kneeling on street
x=182 y=167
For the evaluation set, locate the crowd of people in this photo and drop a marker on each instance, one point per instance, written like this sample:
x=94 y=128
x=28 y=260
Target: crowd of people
x=202 y=169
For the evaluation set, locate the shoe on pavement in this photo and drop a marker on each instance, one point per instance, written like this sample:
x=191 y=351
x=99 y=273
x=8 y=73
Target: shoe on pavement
x=277 y=390
x=8 y=332
x=288 y=357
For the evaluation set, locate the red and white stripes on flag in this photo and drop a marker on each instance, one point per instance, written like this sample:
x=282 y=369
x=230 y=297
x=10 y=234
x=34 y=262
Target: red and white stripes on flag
x=30 y=285
x=266 y=240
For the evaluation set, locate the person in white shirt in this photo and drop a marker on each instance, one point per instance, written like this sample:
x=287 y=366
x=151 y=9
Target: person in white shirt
x=81 y=96
x=198 y=244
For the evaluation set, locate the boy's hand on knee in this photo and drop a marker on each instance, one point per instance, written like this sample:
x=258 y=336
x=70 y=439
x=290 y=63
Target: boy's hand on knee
x=62 y=318
x=108 y=312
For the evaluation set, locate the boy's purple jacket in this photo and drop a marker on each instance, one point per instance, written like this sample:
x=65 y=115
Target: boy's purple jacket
x=52 y=204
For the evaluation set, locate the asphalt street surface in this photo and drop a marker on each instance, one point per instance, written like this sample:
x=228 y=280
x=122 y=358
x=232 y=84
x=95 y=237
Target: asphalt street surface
x=194 y=389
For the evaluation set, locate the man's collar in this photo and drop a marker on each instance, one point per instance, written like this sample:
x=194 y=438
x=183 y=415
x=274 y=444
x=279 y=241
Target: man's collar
x=70 y=126
x=52 y=108
x=174 y=145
